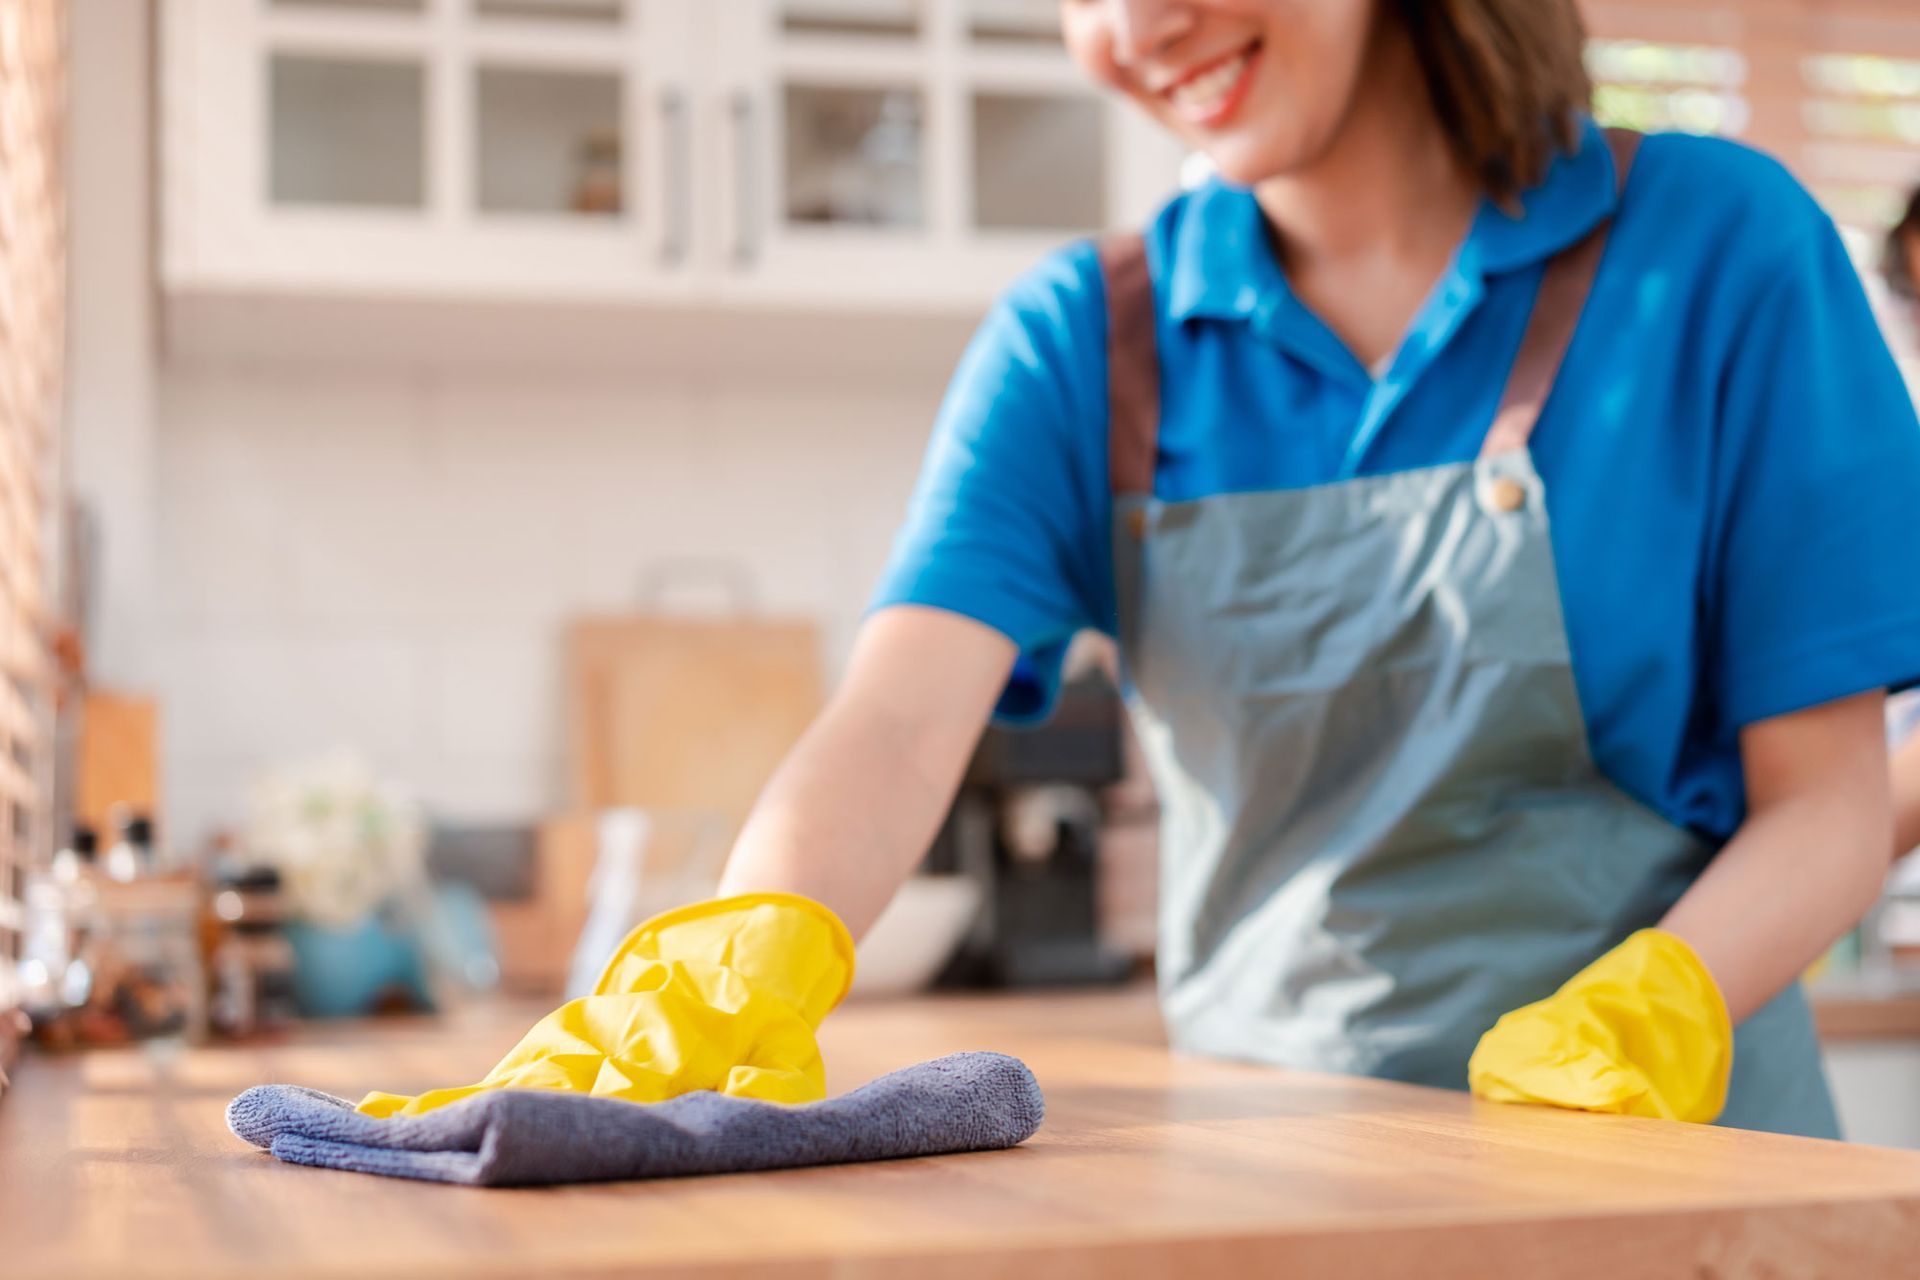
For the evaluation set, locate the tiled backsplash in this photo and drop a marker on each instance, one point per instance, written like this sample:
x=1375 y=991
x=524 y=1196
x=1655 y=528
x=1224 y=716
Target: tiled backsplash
x=385 y=562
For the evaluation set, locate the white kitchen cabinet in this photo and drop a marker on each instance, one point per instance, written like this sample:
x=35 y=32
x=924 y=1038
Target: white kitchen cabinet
x=892 y=154
x=419 y=147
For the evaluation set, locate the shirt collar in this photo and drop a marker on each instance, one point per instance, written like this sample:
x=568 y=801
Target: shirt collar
x=1223 y=266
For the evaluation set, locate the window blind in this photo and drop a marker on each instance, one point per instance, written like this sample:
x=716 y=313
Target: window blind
x=32 y=358
x=1831 y=87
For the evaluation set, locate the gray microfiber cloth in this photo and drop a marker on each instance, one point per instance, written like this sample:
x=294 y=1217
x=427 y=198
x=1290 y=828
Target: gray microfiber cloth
x=525 y=1137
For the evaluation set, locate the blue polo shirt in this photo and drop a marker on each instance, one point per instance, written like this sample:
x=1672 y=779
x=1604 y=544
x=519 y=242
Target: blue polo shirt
x=1731 y=459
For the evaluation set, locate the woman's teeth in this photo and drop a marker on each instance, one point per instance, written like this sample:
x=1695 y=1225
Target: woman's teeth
x=1207 y=92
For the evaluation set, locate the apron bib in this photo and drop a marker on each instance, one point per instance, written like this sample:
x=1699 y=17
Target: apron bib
x=1382 y=827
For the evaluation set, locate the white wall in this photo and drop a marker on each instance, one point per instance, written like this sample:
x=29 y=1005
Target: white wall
x=385 y=560
x=1873 y=1089
x=111 y=326
x=357 y=554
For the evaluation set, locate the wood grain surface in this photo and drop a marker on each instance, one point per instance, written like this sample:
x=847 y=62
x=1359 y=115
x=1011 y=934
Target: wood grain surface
x=119 y=1164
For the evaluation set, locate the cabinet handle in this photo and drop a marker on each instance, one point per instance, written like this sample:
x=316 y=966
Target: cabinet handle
x=679 y=192
x=746 y=174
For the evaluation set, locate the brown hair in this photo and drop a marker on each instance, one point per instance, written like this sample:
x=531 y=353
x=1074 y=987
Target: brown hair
x=1894 y=263
x=1507 y=82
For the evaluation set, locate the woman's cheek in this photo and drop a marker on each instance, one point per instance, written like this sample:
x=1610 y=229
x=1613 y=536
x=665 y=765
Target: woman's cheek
x=1097 y=62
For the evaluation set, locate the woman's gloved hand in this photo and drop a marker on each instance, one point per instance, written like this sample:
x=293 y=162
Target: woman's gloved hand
x=1641 y=1031
x=723 y=995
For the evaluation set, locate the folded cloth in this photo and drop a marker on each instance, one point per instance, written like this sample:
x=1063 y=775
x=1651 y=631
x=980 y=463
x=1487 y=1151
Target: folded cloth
x=527 y=1137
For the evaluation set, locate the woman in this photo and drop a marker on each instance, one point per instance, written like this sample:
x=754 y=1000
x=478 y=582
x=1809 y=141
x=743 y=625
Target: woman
x=1509 y=739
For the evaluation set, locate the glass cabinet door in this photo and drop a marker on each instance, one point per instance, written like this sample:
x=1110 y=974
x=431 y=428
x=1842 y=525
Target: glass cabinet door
x=538 y=144
x=853 y=156
x=849 y=96
x=1039 y=161
x=548 y=142
x=1038 y=133
x=346 y=131
x=550 y=94
x=906 y=144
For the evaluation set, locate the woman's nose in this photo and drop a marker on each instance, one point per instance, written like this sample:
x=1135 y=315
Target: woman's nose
x=1143 y=28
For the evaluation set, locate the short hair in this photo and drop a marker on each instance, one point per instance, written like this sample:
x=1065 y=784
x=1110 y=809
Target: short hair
x=1508 y=82
x=1896 y=262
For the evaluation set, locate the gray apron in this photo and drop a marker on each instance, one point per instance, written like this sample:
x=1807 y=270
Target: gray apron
x=1382 y=827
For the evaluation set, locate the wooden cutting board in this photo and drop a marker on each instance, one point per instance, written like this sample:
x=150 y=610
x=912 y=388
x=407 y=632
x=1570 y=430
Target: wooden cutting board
x=676 y=713
x=119 y=759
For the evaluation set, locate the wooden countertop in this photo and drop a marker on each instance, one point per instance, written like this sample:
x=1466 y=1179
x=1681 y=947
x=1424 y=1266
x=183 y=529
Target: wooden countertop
x=119 y=1163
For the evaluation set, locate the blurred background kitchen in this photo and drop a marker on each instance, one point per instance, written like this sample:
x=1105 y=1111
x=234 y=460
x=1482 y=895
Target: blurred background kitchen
x=445 y=447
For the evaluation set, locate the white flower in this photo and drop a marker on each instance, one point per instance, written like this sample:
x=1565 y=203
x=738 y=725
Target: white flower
x=343 y=842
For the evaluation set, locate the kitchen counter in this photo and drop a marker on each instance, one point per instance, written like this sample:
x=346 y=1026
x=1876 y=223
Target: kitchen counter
x=119 y=1163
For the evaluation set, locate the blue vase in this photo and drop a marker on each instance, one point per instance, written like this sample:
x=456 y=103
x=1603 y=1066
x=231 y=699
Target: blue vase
x=342 y=972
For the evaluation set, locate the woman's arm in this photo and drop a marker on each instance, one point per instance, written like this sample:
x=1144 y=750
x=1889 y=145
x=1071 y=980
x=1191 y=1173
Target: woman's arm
x=851 y=811
x=1906 y=797
x=1810 y=858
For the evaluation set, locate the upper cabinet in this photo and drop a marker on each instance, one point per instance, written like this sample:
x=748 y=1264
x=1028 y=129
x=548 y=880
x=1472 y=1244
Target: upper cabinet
x=422 y=146
x=819 y=153
x=911 y=148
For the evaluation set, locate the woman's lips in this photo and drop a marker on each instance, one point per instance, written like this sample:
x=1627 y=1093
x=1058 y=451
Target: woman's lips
x=1209 y=97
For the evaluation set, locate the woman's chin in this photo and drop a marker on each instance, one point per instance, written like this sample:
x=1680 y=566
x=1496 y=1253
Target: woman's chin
x=1246 y=166
x=1247 y=156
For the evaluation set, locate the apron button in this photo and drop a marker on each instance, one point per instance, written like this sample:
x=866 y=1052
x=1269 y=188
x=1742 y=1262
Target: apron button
x=1506 y=494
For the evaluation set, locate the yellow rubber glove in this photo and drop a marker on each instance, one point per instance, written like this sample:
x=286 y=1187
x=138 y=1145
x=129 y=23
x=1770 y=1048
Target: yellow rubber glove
x=1641 y=1031
x=723 y=995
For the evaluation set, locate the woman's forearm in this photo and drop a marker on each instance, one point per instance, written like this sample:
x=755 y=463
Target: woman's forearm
x=843 y=821
x=1809 y=860
x=853 y=808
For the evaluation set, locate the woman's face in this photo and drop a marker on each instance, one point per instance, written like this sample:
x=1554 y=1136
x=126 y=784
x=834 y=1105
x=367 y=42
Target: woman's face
x=1260 y=86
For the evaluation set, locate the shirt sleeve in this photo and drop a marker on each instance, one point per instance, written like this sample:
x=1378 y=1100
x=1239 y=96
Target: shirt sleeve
x=1817 y=590
x=1007 y=524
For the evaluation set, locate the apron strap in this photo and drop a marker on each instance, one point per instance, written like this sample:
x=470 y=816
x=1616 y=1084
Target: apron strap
x=1133 y=365
x=1556 y=313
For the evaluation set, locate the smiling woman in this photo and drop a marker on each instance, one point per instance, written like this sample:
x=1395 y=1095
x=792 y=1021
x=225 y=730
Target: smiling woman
x=1506 y=639
x=1499 y=635
x=1505 y=77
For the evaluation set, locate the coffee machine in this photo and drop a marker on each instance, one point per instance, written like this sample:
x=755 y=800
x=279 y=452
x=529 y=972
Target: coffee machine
x=1025 y=826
